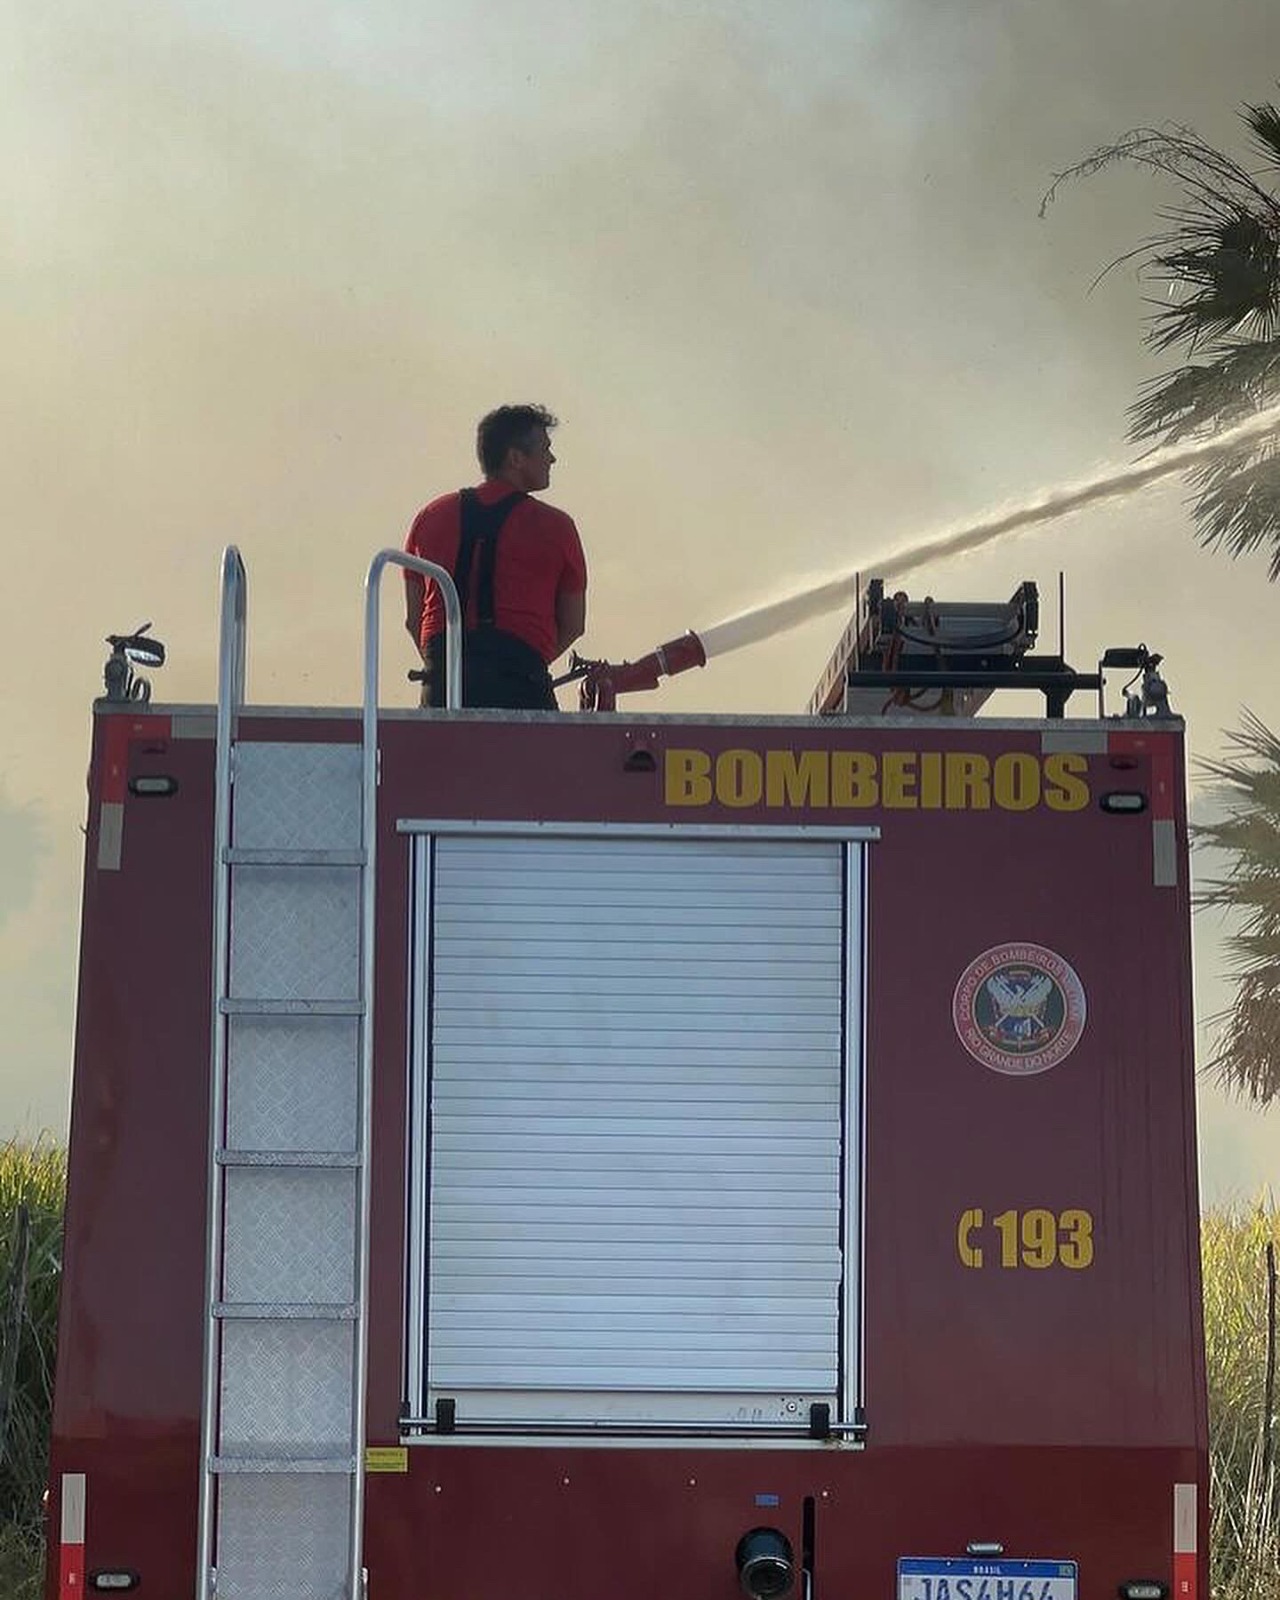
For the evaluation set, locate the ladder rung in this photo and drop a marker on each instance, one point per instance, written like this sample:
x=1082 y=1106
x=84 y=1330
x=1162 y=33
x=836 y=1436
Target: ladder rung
x=339 y=1311
x=291 y=1008
x=288 y=1158
x=235 y=856
x=300 y=1464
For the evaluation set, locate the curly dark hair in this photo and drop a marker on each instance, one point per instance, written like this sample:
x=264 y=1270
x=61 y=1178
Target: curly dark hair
x=505 y=428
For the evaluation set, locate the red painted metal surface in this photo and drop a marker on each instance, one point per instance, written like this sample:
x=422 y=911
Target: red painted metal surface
x=1046 y=1406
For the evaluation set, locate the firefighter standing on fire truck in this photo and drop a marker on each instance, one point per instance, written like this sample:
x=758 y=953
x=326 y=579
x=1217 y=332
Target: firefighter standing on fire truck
x=518 y=565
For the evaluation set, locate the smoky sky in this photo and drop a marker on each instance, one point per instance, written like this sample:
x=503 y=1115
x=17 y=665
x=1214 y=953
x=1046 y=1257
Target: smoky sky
x=23 y=843
x=779 y=269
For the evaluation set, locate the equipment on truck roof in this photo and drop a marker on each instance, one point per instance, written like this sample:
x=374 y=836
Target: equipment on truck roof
x=127 y=651
x=948 y=657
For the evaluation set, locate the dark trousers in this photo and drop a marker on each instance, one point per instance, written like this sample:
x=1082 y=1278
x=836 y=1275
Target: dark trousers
x=498 y=671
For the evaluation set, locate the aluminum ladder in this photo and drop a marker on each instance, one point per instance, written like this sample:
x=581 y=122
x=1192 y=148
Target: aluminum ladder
x=287 y=1279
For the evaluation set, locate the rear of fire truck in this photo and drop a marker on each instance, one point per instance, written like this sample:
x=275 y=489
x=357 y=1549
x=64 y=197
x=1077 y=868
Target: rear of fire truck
x=632 y=1155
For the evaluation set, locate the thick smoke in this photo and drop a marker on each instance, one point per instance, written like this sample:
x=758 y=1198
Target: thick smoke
x=763 y=622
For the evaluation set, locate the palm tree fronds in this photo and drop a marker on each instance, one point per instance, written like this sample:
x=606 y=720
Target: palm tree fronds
x=1207 y=396
x=1226 y=269
x=1264 y=123
x=1246 y=1056
x=1238 y=506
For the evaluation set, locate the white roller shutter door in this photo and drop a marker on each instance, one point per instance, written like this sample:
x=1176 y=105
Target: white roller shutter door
x=636 y=1068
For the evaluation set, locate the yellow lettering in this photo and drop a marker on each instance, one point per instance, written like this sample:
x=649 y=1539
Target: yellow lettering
x=1065 y=787
x=1076 y=1250
x=898 y=780
x=739 y=778
x=853 y=778
x=1039 y=1238
x=968 y=785
x=970 y=1253
x=687 y=775
x=1007 y=1222
x=1015 y=781
x=931 y=780
x=796 y=780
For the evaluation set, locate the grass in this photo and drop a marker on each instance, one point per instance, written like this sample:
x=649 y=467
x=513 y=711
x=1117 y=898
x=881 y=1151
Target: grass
x=1239 y=1338
x=32 y=1184
x=21 y=1563
x=1239 y=1251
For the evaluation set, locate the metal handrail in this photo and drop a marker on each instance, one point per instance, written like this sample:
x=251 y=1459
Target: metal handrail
x=231 y=677
x=368 y=910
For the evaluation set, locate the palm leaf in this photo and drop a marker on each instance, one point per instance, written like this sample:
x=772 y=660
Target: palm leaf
x=1246 y=1054
x=1264 y=123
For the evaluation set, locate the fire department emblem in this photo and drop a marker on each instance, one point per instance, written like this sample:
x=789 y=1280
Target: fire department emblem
x=1019 y=1009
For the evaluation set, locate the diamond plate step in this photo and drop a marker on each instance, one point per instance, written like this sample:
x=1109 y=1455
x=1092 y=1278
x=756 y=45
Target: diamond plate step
x=291 y=1008
x=239 y=857
x=288 y=1158
x=257 y=1312
x=283 y=1456
x=299 y=1464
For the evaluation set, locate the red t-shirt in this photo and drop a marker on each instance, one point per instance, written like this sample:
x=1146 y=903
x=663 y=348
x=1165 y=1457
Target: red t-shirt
x=539 y=557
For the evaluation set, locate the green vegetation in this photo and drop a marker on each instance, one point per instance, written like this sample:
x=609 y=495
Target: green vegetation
x=32 y=1183
x=1247 y=784
x=1240 y=1252
x=1216 y=264
x=1240 y=1335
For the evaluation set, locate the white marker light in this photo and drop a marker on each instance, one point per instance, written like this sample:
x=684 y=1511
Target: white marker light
x=1130 y=800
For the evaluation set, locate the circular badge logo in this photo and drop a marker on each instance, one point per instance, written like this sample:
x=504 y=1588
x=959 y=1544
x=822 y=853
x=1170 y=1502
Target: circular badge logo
x=1019 y=1009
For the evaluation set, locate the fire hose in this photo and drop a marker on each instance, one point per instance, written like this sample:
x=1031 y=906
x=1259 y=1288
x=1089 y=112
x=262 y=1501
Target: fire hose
x=603 y=681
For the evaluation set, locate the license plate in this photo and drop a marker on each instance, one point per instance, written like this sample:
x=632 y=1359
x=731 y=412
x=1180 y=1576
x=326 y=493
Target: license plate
x=966 y=1578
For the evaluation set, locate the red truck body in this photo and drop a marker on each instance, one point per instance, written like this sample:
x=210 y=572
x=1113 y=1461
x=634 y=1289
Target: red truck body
x=1018 y=1319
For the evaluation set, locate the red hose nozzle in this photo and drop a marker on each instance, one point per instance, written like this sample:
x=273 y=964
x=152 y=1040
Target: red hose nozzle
x=607 y=680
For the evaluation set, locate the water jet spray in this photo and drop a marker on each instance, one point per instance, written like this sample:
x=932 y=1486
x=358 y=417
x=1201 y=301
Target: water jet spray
x=603 y=681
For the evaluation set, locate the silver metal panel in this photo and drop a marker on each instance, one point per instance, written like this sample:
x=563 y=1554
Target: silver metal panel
x=295 y=932
x=290 y=1234
x=292 y=1083
x=651 y=722
x=855 y=1136
x=286 y=1388
x=1164 y=853
x=289 y=1114
x=231 y=650
x=297 y=797
x=283 y=1537
x=417 y=1128
x=633 y=830
x=783 y=1414
x=635 y=1178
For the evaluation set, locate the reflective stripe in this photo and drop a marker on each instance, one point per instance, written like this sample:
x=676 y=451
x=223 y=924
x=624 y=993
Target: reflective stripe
x=110 y=835
x=1185 y=1506
x=71 y=1547
x=1164 y=854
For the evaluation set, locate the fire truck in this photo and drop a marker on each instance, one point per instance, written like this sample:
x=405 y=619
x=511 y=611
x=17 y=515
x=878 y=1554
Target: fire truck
x=626 y=1156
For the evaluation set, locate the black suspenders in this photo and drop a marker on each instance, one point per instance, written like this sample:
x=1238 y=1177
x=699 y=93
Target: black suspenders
x=480 y=526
